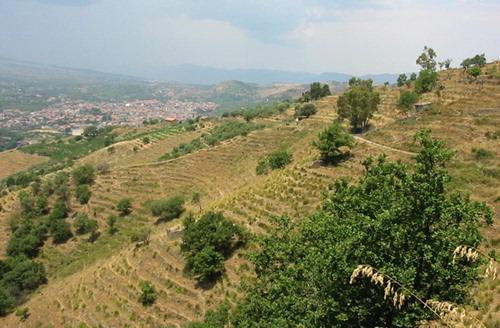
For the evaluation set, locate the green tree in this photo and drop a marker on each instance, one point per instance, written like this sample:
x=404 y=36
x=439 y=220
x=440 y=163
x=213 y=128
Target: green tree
x=91 y=131
x=402 y=78
x=407 y=99
x=358 y=104
x=427 y=59
x=167 y=209
x=148 y=294
x=124 y=206
x=83 y=175
x=426 y=81
x=330 y=142
x=206 y=243
x=84 y=225
x=401 y=221
x=111 y=221
x=476 y=61
x=318 y=91
x=82 y=193
x=279 y=159
x=473 y=73
x=305 y=110
x=60 y=231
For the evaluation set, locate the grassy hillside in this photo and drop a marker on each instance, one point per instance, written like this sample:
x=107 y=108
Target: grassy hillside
x=98 y=284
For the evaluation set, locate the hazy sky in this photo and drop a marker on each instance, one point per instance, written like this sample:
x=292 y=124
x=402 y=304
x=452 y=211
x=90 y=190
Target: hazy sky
x=354 y=37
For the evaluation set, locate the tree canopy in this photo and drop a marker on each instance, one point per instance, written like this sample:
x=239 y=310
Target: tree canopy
x=397 y=219
x=330 y=141
x=358 y=103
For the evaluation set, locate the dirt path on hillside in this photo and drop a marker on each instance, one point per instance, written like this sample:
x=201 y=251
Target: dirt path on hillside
x=384 y=146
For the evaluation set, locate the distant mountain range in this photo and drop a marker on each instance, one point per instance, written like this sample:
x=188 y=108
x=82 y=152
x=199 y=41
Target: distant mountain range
x=192 y=74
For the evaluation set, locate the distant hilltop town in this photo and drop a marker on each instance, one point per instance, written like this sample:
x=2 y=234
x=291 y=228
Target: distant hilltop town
x=69 y=114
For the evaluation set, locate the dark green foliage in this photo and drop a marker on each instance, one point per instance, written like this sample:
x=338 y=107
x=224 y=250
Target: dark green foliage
x=60 y=231
x=60 y=211
x=407 y=99
x=167 y=209
x=262 y=167
x=229 y=130
x=358 y=103
x=274 y=161
x=23 y=274
x=473 y=73
x=476 y=61
x=84 y=225
x=23 y=314
x=26 y=240
x=330 y=141
x=402 y=78
x=400 y=221
x=183 y=149
x=145 y=140
x=481 y=153
x=206 y=243
x=279 y=159
x=426 y=81
x=305 y=110
x=18 y=275
x=213 y=319
x=317 y=91
x=148 y=295
x=111 y=221
x=82 y=193
x=124 y=206
x=83 y=174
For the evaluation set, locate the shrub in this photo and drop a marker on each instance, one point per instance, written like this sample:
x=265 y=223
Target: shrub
x=82 y=193
x=407 y=99
x=167 y=209
x=207 y=242
x=111 y=220
x=279 y=159
x=83 y=174
x=305 y=110
x=148 y=294
x=60 y=231
x=481 y=153
x=124 y=206
x=330 y=141
x=84 y=225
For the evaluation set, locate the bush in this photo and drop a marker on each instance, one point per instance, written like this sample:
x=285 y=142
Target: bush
x=279 y=159
x=167 y=209
x=330 y=141
x=262 y=167
x=481 y=153
x=82 y=193
x=207 y=242
x=148 y=295
x=407 y=99
x=83 y=175
x=426 y=81
x=124 y=206
x=305 y=110
x=111 y=220
x=84 y=225
x=60 y=231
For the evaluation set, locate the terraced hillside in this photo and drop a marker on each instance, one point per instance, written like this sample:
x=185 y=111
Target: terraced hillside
x=98 y=284
x=12 y=161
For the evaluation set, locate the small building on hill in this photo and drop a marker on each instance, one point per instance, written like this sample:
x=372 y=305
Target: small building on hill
x=422 y=105
x=171 y=120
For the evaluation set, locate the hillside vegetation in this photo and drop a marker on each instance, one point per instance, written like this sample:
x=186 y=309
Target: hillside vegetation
x=134 y=272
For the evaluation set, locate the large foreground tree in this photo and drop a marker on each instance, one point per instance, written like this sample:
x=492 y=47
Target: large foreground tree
x=397 y=219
